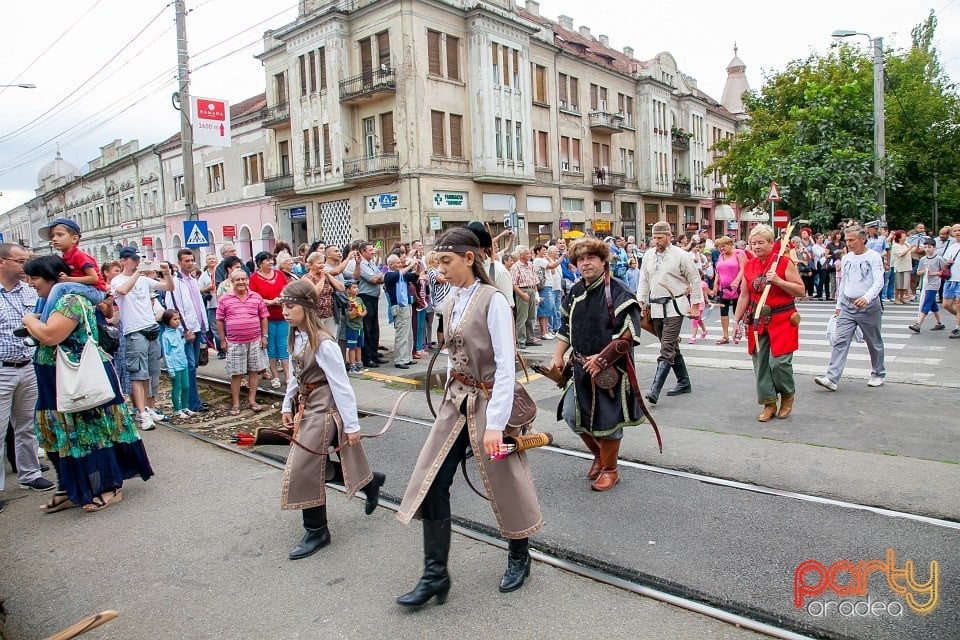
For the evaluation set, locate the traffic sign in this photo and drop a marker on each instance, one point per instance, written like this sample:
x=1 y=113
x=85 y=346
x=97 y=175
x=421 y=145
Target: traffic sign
x=195 y=231
x=774 y=195
x=781 y=216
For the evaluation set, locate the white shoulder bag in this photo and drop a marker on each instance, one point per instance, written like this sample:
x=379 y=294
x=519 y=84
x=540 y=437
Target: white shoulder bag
x=82 y=385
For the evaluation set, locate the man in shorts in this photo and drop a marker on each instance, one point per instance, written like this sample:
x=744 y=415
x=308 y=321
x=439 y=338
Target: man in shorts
x=133 y=290
x=242 y=327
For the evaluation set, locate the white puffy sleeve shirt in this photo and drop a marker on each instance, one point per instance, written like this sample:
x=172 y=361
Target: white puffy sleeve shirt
x=330 y=359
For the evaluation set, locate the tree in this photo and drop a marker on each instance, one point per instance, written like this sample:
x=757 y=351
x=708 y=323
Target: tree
x=811 y=130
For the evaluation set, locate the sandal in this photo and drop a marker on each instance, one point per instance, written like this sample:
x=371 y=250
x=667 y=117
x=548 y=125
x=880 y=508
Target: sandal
x=56 y=504
x=256 y=408
x=99 y=504
x=234 y=411
x=723 y=341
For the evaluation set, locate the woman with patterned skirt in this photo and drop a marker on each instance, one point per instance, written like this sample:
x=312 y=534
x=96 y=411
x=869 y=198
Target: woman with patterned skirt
x=95 y=450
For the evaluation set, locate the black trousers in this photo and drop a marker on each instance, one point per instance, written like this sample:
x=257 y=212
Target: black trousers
x=436 y=504
x=371 y=328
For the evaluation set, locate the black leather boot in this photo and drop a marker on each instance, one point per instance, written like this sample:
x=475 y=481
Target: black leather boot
x=518 y=565
x=435 y=580
x=658 y=379
x=316 y=535
x=372 y=491
x=683 y=377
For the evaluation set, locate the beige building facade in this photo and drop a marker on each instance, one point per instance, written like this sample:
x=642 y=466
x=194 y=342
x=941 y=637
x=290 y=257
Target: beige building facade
x=393 y=121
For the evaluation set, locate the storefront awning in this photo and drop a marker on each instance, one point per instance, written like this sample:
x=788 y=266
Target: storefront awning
x=755 y=215
x=724 y=212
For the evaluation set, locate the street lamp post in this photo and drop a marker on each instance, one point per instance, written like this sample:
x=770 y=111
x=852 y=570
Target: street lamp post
x=879 y=119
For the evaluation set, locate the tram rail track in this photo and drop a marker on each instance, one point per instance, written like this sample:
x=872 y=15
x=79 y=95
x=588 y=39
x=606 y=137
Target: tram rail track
x=568 y=559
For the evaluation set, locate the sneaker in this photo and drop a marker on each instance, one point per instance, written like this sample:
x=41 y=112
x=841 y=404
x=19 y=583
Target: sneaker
x=146 y=422
x=187 y=413
x=155 y=415
x=275 y=383
x=937 y=327
x=955 y=333
x=38 y=484
x=914 y=327
x=826 y=383
x=875 y=381
x=354 y=372
x=548 y=336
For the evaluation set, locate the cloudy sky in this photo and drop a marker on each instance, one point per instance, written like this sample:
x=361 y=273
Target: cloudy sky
x=91 y=90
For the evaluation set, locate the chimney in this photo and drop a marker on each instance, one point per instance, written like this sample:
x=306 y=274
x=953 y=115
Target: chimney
x=566 y=22
x=628 y=51
x=533 y=7
x=604 y=40
x=585 y=32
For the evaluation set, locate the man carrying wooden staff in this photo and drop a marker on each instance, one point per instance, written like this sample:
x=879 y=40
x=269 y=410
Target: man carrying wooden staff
x=771 y=282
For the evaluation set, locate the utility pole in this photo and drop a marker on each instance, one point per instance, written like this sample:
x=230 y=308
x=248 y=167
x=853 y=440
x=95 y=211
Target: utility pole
x=186 y=130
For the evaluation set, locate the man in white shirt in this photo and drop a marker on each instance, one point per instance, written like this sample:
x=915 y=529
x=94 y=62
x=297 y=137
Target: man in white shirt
x=667 y=273
x=141 y=333
x=951 y=290
x=858 y=305
x=187 y=300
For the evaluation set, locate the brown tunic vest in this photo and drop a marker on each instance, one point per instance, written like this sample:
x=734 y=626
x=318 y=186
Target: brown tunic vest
x=508 y=481
x=320 y=428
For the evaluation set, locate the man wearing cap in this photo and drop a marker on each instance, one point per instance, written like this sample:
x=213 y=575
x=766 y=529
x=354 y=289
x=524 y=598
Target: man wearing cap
x=18 y=382
x=669 y=274
x=140 y=331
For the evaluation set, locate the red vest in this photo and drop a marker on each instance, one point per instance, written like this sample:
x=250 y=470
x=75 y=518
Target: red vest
x=784 y=336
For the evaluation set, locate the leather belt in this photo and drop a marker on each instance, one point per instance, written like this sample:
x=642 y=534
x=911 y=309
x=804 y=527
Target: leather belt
x=17 y=365
x=307 y=388
x=472 y=382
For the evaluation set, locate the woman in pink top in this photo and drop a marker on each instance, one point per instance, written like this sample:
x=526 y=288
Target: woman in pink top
x=726 y=286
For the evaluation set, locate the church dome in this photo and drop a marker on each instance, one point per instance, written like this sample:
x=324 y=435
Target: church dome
x=57 y=168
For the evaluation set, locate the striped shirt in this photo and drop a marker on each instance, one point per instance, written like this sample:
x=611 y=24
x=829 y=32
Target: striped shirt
x=438 y=291
x=13 y=304
x=242 y=316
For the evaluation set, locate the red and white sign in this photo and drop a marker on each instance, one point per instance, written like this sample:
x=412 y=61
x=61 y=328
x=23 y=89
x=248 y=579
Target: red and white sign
x=780 y=219
x=230 y=231
x=211 y=121
x=774 y=195
x=146 y=242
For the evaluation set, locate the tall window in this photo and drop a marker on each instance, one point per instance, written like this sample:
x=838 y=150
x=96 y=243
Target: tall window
x=574 y=94
x=280 y=87
x=302 y=66
x=456 y=135
x=434 y=66
x=436 y=131
x=509 y=135
x=322 y=67
x=313 y=72
x=562 y=90
x=177 y=190
x=497 y=128
x=540 y=84
x=495 y=54
x=283 y=151
x=316 y=147
x=383 y=49
x=542 y=158
x=453 y=57
x=388 y=138
x=369 y=137
x=327 y=161
x=519 y=142
x=215 y=178
x=306 y=149
x=252 y=169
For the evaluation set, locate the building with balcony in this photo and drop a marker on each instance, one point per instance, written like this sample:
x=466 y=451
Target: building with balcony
x=393 y=124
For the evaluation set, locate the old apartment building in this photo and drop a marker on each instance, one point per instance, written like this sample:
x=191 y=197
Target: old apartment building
x=393 y=120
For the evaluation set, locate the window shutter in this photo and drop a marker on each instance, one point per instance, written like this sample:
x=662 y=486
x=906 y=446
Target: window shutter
x=541 y=95
x=456 y=135
x=562 y=87
x=453 y=58
x=593 y=96
x=386 y=131
x=366 y=60
x=383 y=47
x=326 y=146
x=322 y=63
x=433 y=53
x=436 y=128
x=574 y=93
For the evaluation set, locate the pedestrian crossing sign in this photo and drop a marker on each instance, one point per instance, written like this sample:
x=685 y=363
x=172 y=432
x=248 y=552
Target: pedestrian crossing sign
x=195 y=231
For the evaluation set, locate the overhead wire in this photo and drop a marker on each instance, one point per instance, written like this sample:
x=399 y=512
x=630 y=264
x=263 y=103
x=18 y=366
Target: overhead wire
x=52 y=44
x=7 y=136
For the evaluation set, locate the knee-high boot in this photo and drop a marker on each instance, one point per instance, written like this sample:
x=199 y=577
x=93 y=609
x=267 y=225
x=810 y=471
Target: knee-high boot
x=663 y=368
x=316 y=535
x=683 y=377
x=435 y=580
x=518 y=565
x=591 y=443
x=372 y=491
x=609 y=451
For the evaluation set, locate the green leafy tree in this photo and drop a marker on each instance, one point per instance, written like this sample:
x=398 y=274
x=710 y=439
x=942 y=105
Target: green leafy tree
x=811 y=130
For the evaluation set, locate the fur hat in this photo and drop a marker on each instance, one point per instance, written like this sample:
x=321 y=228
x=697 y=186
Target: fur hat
x=589 y=247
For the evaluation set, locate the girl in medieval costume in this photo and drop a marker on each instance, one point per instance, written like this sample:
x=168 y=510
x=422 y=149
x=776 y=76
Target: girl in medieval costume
x=774 y=335
x=473 y=415
x=319 y=393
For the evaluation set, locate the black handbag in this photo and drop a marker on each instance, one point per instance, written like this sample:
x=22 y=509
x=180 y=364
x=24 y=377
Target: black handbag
x=108 y=337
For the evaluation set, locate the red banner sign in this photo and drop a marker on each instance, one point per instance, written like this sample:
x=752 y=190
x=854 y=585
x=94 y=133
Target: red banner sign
x=146 y=242
x=230 y=231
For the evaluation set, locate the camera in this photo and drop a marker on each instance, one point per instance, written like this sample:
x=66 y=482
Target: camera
x=146 y=265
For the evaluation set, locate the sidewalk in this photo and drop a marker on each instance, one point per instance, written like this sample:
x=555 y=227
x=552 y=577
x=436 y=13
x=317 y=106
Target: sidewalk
x=200 y=551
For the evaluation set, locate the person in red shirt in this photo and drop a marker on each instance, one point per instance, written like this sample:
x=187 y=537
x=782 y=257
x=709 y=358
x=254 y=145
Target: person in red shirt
x=269 y=283
x=85 y=278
